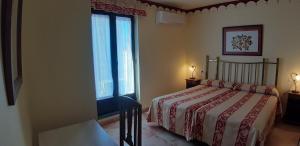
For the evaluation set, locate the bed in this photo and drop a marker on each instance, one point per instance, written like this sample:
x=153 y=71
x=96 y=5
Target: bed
x=235 y=108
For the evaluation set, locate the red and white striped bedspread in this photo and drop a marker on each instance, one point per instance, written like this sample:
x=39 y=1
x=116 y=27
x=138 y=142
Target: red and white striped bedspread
x=217 y=116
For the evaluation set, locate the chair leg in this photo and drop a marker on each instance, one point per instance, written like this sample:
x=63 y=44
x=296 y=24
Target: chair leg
x=122 y=128
x=139 y=126
x=135 y=127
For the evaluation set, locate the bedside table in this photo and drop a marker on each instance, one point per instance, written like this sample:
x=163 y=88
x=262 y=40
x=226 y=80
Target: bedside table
x=192 y=82
x=292 y=114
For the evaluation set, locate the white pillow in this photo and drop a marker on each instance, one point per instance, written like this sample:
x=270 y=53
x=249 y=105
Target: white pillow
x=218 y=83
x=268 y=90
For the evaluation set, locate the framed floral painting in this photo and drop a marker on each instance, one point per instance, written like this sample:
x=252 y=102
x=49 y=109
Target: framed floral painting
x=243 y=40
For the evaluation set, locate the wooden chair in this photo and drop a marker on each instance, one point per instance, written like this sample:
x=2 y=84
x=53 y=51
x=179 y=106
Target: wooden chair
x=130 y=109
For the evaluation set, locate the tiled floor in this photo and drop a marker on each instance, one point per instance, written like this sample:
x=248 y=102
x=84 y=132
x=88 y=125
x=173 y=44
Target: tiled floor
x=281 y=135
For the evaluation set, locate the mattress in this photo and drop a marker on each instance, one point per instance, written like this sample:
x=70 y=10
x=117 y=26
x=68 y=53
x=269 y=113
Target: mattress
x=216 y=116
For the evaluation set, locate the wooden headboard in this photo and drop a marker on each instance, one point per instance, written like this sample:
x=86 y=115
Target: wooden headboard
x=243 y=72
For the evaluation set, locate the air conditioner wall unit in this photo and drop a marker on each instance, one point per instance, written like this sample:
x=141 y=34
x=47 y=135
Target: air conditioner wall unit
x=164 y=17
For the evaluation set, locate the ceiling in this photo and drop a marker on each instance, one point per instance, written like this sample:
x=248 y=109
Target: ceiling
x=190 y=4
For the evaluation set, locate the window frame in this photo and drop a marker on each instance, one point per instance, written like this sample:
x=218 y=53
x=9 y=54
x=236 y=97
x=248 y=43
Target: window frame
x=114 y=54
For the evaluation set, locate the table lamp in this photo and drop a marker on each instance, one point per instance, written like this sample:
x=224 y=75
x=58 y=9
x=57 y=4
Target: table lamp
x=193 y=69
x=295 y=77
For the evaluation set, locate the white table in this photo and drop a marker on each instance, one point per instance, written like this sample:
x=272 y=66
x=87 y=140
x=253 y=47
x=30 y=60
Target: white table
x=88 y=133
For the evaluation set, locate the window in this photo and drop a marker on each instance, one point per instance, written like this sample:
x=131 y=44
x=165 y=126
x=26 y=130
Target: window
x=102 y=56
x=125 y=57
x=113 y=54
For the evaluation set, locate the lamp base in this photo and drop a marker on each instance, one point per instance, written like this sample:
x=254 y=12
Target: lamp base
x=295 y=91
x=192 y=78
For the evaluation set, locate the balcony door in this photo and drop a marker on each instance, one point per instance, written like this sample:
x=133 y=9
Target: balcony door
x=114 y=59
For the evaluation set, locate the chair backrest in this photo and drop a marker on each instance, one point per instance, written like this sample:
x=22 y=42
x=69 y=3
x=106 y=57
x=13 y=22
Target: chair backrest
x=130 y=109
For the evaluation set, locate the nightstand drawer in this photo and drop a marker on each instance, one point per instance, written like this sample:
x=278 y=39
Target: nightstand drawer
x=292 y=114
x=294 y=99
x=192 y=82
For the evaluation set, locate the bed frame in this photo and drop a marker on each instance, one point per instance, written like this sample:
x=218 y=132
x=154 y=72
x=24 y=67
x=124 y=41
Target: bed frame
x=242 y=72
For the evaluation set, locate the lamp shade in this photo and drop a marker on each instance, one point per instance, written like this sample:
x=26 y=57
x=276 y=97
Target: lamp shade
x=192 y=68
x=297 y=77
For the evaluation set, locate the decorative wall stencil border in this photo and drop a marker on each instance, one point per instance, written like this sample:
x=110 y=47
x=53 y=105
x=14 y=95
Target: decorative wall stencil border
x=162 y=5
x=222 y=4
x=235 y=2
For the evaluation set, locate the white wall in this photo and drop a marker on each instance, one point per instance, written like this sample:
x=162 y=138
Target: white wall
x=15 y=121
x=161 y=56
x=15 y=124
x=58 y=62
